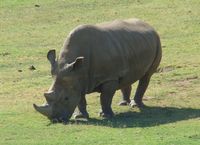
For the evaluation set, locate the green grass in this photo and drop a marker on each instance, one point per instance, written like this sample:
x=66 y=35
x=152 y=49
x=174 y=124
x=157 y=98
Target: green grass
x=173 y=97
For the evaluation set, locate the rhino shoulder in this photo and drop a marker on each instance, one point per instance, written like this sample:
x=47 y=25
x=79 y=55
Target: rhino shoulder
x=83 y=30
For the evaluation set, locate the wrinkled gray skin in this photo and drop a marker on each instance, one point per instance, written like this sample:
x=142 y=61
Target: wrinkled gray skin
x=101 y=58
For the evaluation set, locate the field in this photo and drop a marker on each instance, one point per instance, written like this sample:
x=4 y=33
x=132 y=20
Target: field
x=29 y=28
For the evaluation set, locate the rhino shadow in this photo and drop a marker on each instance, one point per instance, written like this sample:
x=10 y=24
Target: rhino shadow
x=147 y=117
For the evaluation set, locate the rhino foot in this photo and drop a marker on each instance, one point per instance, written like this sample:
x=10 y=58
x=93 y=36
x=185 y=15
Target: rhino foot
x=124 y=103
x=60 y=120
x=106 y=115
x=133 y=103
x=79 y=115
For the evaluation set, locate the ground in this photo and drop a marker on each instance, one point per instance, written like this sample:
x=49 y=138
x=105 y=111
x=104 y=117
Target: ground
x=29 y=28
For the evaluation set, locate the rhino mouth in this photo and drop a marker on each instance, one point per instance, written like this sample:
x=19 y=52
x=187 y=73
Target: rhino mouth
x=56 y=109
x=51 y=112
x=47 y=110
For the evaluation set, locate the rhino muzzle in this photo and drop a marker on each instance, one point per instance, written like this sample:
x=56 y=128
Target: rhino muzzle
x=47 y=109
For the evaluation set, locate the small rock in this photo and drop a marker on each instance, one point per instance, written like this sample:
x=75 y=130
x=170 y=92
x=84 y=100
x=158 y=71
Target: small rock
x=32 y=67
x=36 y=5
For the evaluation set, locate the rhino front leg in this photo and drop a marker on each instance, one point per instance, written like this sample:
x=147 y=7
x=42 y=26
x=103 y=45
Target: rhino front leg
x=126 y=92
x=142 y=86
x=82 y=111
x=107 y=92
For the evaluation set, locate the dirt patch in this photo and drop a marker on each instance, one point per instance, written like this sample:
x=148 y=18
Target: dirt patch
x=192 y=78
x=148 y=98
x=165 y=69
x=4 y=53
x=185 y=82
x=172 y=92
x=195 y=136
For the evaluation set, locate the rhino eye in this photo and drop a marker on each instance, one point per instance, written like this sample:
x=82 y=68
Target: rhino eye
x=66 y=98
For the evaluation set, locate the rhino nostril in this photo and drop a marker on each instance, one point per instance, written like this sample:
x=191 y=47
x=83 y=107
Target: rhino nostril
x=66 y=98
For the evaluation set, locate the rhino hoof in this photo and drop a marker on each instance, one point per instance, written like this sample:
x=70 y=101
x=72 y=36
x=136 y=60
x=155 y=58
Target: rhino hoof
x=106 y=115
x=134 y=104
x=80 y=115
x=124 y=103
x=59 y=120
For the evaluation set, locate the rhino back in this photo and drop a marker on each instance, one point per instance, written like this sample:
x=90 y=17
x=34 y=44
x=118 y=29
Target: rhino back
x=120 y=50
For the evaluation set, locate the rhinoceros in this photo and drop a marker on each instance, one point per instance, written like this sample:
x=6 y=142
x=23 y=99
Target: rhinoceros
x=101 y=58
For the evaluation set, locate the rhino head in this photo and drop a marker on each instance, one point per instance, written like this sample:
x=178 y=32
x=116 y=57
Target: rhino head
x=65 y=91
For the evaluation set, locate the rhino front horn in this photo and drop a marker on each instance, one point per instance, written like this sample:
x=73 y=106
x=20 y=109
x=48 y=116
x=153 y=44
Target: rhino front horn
x=45 y=110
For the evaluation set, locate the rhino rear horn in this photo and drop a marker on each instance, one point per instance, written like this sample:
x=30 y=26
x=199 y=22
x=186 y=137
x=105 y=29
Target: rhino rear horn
x=51 y=56
x=44 y=110
x=50 y=96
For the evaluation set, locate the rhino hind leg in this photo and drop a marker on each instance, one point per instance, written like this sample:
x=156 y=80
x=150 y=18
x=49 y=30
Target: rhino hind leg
x=82 y=111
x=144 y=81
x=126 y=92
x=141 y=88
x=107 y=92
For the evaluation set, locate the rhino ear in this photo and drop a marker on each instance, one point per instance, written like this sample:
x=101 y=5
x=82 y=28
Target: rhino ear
x=78 y=62
x=51 y=56
x=74 y=65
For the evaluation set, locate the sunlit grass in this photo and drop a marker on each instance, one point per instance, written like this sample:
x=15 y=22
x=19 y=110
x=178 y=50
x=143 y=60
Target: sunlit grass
x=29 y=28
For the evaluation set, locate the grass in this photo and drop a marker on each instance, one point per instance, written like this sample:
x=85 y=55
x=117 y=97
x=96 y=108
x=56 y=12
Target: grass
x=28 y=31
